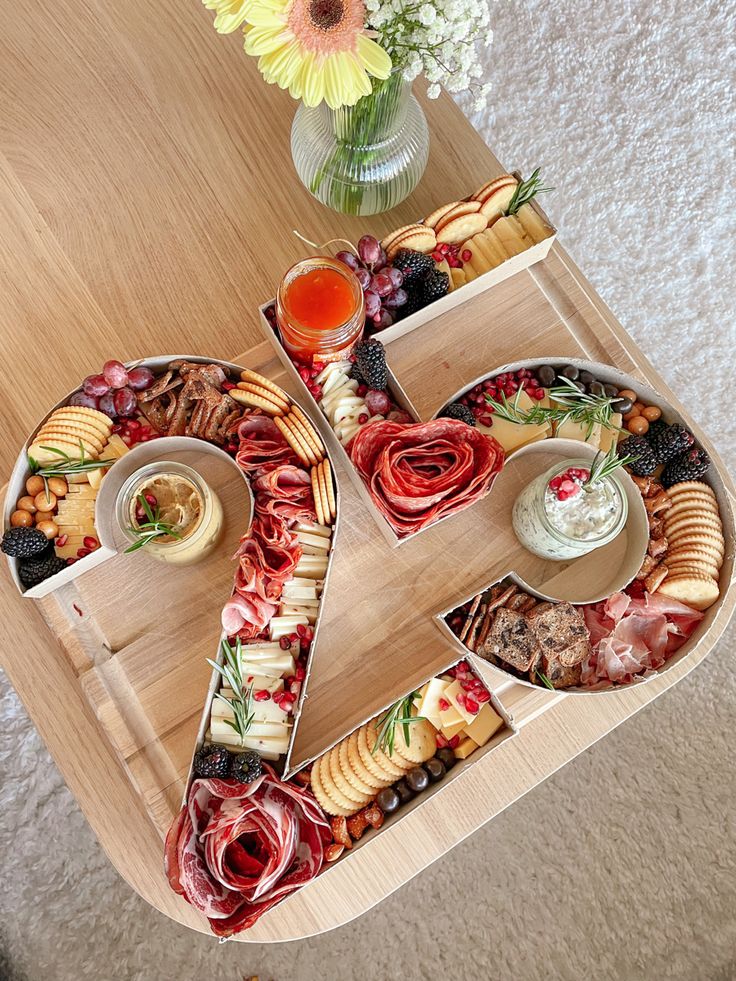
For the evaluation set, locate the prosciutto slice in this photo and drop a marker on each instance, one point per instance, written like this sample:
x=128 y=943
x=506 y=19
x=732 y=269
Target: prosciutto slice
x=632 y=636
x=235 y=850
x=261 y=447
x=418 y=473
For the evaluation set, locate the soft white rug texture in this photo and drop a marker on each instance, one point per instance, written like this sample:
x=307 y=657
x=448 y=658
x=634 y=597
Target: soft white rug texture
x=623 y=865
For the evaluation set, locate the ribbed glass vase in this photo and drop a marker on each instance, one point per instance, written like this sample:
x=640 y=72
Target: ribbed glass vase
x=366 y=158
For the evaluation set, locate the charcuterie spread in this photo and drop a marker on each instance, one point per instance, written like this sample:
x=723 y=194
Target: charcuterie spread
x=593 y=474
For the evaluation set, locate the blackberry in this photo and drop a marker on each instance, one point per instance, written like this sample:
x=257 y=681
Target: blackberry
x=688 y=466
x=435 y=286
x=212 y=761
x=656 y=427
x=645 y=462
x=33 y=571
x=25 y=543
x=246 y=767
x=370 y=359
x=671 y=442
x=414 y=266
x=414 y=302
x=458 y=411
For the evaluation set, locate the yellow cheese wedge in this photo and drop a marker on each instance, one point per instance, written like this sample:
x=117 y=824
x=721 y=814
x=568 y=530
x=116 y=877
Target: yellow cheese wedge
x=453 y=730
x=513 y=435
x=533 y=225
x=81 y=491
x=506 y=233
x=466 y=747
x=480 y=244
x=457 y=277
x=498 y=244
x=610 y=436
x=579 y=431
x=492 y=247
x=485 y=724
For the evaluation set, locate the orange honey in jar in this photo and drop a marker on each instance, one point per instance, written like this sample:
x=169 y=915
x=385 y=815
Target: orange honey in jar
x=320 y=310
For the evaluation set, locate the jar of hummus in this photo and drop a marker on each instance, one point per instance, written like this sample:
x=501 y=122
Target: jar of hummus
x=167 y=510
x=558 y=516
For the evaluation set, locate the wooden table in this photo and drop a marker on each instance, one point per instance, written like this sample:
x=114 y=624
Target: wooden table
x=147 y=199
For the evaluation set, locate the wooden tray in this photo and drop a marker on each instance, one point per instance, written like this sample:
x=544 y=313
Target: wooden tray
x=138 y=658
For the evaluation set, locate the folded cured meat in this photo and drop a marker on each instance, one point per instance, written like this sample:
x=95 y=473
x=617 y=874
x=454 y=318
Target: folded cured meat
x=418 y=473
x=235 y=850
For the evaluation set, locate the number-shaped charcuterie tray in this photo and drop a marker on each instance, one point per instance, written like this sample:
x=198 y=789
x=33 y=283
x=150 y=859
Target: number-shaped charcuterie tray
x=138 y=636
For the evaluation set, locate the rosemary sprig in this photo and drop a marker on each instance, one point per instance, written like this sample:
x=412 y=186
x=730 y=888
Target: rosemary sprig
x=604 y=465
x=231 y=671
x=398 y=714
x=545 y=680
x=572 y=405
x=66 y=465
x=525 y=191
x=148 y=531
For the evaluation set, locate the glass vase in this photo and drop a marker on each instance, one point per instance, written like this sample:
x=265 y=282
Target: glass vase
x=366 y=158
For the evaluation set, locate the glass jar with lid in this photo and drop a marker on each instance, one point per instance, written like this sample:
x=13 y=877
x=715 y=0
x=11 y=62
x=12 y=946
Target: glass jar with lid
x=320 y=310
x=560 y=522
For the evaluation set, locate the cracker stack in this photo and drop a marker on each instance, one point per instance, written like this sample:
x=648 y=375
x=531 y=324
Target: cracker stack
x=696 y=546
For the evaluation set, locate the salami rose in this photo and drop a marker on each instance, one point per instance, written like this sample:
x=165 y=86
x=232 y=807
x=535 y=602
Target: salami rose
x=235 y=850
x=418 y=473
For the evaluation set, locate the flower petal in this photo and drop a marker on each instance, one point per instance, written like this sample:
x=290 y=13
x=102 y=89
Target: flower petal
x=376 y=60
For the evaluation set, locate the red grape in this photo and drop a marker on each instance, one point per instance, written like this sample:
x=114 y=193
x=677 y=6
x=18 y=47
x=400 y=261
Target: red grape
x=372 y=304
x=377 y=402
x=381 y=261
x=364 y=278
x=125 y=402
x=115 y=374
x=83 y=399
x=385 y=320
x=381 y=284
x=95 y=385
x=396 y=299
x=350 y=260
x=107 y=405
x=395 y=275
x=140 y=379
x=369 y=249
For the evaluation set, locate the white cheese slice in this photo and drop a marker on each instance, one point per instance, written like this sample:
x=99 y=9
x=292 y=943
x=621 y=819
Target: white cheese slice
x=316 y=541
x=313 y=528
x=283 y=626
x=428 y=704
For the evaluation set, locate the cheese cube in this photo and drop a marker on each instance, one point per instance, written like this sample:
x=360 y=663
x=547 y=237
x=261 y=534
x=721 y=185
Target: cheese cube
x=485 y=724
x=454 y=728
x=579 y=431
x=466 y=747
x=610 y=436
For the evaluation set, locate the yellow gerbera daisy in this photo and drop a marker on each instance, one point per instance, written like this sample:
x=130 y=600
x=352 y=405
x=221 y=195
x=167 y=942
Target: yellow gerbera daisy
x=230 y=14
x=317 y=49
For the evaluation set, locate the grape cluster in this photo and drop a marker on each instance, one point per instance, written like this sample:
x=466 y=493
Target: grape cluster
x=382 y=284
x=113 y=391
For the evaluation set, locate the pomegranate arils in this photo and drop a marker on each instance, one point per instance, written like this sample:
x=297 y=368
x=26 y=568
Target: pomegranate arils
x=443 y=704
x=301 y=672
x=466 y=255
x=61 y=540
x=454 y=742
x=90 y=542
x=440 y=740
x=301 y=630
x=483 y=695
x=471 y=704
x=82 y=552
x=262 y=695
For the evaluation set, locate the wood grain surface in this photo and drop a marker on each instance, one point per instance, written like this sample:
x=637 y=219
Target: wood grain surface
x=147 y=201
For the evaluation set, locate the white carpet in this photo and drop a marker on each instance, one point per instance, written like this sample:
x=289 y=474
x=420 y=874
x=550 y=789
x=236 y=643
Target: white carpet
x=622 y=866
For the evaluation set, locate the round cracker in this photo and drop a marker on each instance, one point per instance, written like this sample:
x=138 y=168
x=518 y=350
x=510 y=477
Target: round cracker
x=332 y=503
x=322 y=798
x=317 y=497
x=696 y=591
x=690 y=485
x=291 y=439
x=247 y=375
x=490 y=186
x=459 y=229
x=688 y=552
x=256 y=401
x=358 y=766
x=693 y=516
x=683 y=505
x=81 y=428
x=433 y=219
x=94 y=416
x=421 y=240
x=460 y=209
x=374 y=761
x=265 y=393
x=392 y=764
x=359 y=797
x=354 y=778
x=91 y=447
x=709 y=543
x=332 y=790
x=392 y=236
x=422 y=741
x=696 y=525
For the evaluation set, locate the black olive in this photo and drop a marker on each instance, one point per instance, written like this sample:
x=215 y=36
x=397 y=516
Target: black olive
x=623 y=405
x=611 y=391
x=570 y=372
x=447 y=756
x=388 y=800
x=417 y=779
x=596 y=388
x=435 y=769
x=546 y=375
x=404 y=791
x=586 y=378
x=579 y=385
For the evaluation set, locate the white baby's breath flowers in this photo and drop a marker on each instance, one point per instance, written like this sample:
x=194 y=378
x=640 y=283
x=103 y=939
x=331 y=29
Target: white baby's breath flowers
x=439 y=40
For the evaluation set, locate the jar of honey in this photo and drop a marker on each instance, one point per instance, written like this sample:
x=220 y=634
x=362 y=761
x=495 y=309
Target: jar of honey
x=320 y=310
